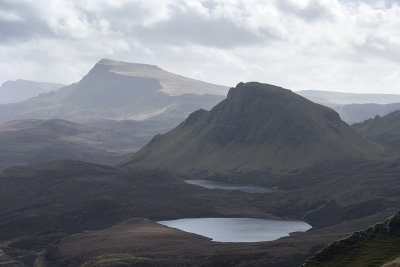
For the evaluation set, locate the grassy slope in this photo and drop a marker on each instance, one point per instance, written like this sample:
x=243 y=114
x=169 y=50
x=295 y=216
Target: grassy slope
x=394 y=263
x=120 y=260
x=375 y=246
x=257 y=128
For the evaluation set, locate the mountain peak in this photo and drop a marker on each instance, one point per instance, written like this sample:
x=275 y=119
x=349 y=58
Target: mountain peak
x=124 y=64
x=258 y=127
x=256 y=90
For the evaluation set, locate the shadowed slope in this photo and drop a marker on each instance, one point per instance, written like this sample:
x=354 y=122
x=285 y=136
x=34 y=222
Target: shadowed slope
x=72 y=196
x=103 y=141
x=383 y=130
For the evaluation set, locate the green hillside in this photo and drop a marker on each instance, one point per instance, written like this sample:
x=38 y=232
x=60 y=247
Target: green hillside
x=258 y=127
x=379 y=245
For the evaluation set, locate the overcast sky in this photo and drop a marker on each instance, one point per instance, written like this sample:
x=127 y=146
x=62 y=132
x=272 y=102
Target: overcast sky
x=338 y=45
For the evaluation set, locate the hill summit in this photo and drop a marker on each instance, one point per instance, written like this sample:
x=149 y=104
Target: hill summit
x=258 y=127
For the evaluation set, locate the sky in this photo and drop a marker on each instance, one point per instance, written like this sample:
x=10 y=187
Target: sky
x=336 y=45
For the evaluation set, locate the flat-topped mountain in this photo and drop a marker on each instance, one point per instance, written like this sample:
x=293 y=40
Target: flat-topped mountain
x=120 y=90
x=20 y=90
x=171 y=84
x=258 y=127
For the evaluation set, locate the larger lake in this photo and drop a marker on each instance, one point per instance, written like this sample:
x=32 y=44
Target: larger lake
x=219 y=185
x=238 y=229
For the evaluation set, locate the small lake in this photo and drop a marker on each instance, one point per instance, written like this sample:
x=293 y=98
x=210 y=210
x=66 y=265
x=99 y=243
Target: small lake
x=219 y=185
x=238 y=229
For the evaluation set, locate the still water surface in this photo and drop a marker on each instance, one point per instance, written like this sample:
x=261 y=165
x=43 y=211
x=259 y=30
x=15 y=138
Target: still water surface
x=218 y=185
x=238 y=229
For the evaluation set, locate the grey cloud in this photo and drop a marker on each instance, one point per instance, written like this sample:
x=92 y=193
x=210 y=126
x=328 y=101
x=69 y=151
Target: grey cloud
x=185 y=30
x=312 y=12
x=23 y=31
x=181 y=28
x=29 y=27
x=190 y=28
x=378 y=47
x=121 y=17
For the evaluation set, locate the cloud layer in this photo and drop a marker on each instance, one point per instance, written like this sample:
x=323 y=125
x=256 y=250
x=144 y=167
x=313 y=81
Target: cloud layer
x=339 y=45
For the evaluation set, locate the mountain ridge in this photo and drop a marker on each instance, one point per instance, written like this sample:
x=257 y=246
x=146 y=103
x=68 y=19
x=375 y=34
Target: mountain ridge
x=382 y=130
x=343 y=98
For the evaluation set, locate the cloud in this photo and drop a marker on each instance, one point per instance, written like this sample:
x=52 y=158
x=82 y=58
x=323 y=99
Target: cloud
x=189 y=28
x=308 y=10
x=18 y=23
x=300 y=44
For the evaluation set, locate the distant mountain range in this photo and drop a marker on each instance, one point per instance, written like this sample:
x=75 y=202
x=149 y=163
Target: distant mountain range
x=20 y=90
x=354 y=108
x=257 y=128
x=120 y=90
x=356 y=113
x=102 y=141
x=330 y=98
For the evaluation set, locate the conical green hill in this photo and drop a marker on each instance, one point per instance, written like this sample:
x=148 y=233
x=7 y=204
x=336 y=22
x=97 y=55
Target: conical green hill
x=258 y=127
